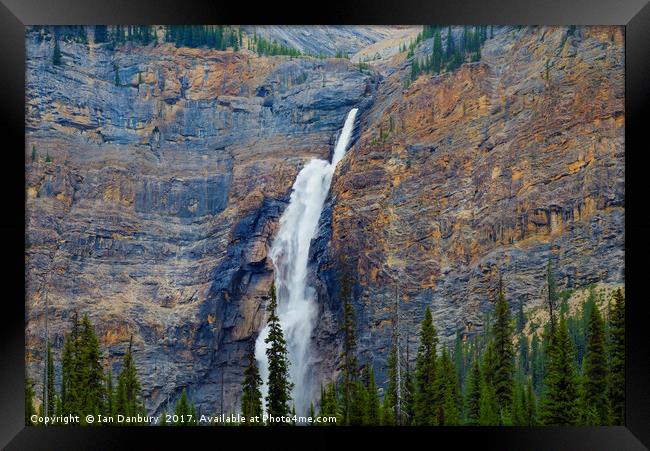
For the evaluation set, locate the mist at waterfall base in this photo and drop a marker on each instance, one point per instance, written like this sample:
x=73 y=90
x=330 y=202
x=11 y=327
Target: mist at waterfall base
x=289 y=253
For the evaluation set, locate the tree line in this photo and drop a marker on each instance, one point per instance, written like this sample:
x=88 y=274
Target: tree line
x=572 y=373
x=85 y=387
x=452 y=55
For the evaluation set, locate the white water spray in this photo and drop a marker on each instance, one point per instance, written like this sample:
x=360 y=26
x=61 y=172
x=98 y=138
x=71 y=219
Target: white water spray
x=289 y=252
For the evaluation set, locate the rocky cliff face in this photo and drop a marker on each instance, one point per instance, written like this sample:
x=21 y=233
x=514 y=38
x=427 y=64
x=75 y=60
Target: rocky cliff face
x=160 y=174
x=158 y=180
x=491 y=170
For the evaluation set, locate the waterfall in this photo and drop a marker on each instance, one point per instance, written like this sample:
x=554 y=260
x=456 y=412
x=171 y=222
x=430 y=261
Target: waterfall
x=289 y=253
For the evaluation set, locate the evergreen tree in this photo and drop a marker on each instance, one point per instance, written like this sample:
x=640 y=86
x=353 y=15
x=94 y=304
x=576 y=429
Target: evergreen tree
x=616 y=350
x=489 y=406
x=373 y=416
x=182 y=410
x=56 y=55
x=551 y=295
x=33 y=153
x=163 y=418
x=29 y=403
x=251 y=401
x=447 y=404
x=473 y=397
x=560 y=401
x=504 y=354
x=389 y=409
x=536 y=363
x=101 y=34
x=279 y=384
x=437 y=57
x=530 y=413
x=329 y=406
x=595 y=400
x=425 y=373
x=110 y=394
x=349 y=364
x=128 y=386
x=50 y=394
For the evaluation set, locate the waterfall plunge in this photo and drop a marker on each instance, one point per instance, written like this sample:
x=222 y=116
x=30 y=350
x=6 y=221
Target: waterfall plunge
x=289 y=252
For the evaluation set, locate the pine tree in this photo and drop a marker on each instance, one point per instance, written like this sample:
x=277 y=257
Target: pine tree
x=504 y=353
x=279 y=384
x=390 y=394
x=437 y=58
x=489 y=406
x=473 y=397
x=29 y=403
x=56 y=55
x=551 y=295
x=128 y=386
x=91 y=380
x=101 y=34
x=182 y=410
x=560 y=401
x=110 y=394
x=530 y=413
x=50 y=394
x=447 y=404
x=251 y=400
x=616 y=352
x=33 y=153
x=595 y=406
x=373 y=416
x=349 y=364
x=425 y=373
x=163 y=418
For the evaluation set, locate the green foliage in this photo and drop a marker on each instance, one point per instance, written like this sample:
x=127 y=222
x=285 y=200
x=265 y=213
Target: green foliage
x=56 y=55
x=48 y=375
x=251 y=401
x=279 y=384
x=426 y=398
x=33 y=153
x=560 y=401
x=273 y=48
x=101 y=34
x=329 y=405
x=504 y=353
x=217 y=37
x=616 y=351
x=349 y=364
x=128 y=387
x=29 y=402
x=473 y=396
x=453 y=56
x=595 y=402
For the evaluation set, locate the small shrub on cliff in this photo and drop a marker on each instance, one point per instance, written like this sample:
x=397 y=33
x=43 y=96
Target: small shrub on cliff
x=56 y=56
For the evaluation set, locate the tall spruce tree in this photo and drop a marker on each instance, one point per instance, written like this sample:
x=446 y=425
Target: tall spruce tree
x=349 y=364
x=374 y=408
x=128 y=386
x=425 y=373
x=251 y=400
x=56 y=55
x=504 y=353
x=182 y=410
x=29 y=403
x=50 y=393
x=616 y=352
x=595 y=407
x=559 y=404
x=279 y=383
x=473 y=396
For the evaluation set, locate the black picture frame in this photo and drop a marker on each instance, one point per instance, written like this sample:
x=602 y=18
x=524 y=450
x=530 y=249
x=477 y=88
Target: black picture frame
x=633 y=14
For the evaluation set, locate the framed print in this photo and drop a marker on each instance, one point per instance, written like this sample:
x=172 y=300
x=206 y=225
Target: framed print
x=422 y=219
